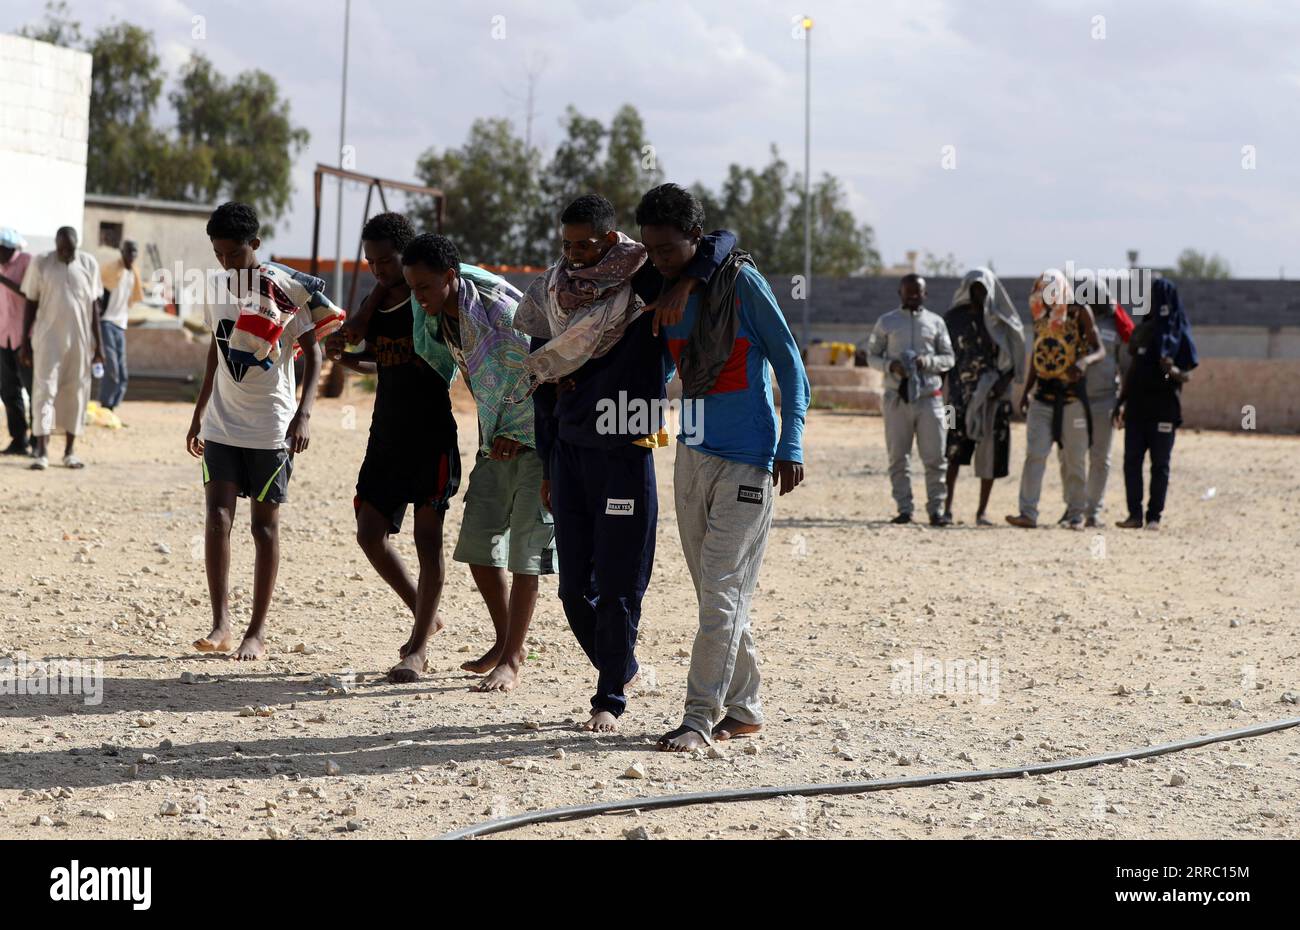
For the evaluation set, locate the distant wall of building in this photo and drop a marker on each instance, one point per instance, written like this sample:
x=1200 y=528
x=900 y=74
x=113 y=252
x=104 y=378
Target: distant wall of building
x=44 y=127
x=168 y=235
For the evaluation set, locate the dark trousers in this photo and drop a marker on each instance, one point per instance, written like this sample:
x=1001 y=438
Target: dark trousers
x=112 y=388
x=606 y=508
x=1143 y=435
x=14 y=379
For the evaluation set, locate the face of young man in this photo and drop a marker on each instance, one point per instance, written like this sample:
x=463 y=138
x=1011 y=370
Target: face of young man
x=977 y=296
x=912 y=294
x=669 y=248
x=129 y=253
x=431 y=288
x=234 y=255
x=385 y=262
x=581 y=246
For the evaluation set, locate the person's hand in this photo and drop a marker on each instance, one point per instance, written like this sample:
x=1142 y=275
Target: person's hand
x=787 y=476
x=670 y=307
x=504 y=449
x=546 y=494
x=25 y=355
x=97 y=358
x=192 y=441
x=351 y=332
x=334 y=345
x=1077 y=371
x=896 y=367
x=299 y=435
x=1023 y=405
x=1117 y=418
x=1167 y=365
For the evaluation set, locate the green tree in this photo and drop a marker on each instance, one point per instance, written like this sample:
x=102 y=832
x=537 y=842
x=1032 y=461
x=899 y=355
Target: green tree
x=489 y=192
x=58 y=27
x=234 y=139
x=936 y=266
x=242 y=128
x=765 y=207
x=1194 y=264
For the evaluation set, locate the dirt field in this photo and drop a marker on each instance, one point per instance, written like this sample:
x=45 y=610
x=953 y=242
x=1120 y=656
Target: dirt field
x=1054 y=644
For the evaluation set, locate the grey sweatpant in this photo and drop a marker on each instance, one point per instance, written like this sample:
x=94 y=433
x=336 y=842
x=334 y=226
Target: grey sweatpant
x=921 y=420
x=1073 y=453
x=1103 y=434
x=724 y=511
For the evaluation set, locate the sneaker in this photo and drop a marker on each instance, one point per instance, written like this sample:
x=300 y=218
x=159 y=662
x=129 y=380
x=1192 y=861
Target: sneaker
x=901 y=519
x=941 y=519
x=1153 y=525
x=40 y=463
x=1075 y=523
x=1132 y=523
x=71 y=461
x=1022 y=521
x=16 y=448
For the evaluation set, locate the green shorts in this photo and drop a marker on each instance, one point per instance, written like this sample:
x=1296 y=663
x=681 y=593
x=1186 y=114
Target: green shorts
x=505 y=524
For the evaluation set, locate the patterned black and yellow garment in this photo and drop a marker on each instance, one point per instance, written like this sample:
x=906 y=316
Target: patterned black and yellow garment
x=1056 y=349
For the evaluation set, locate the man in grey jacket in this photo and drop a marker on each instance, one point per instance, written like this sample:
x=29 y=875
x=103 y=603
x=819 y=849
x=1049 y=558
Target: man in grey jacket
x=911 y=346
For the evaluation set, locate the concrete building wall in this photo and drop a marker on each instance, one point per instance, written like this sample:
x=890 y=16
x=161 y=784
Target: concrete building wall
x=44 y=126
x=176 y=234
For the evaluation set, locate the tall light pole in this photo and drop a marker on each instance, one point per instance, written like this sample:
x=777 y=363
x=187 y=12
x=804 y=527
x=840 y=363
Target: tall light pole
x=343 y=122
x=807 y=177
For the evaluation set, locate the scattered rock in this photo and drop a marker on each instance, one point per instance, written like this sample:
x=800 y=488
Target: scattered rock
x=1177 y=780
x=635 y=770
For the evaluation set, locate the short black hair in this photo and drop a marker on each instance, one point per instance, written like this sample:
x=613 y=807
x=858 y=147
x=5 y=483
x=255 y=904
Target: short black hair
x=592 y=209
x=389 y=227
x=436 y=252
x=235 y=221
x=65 y=231
x=912 y=278
x=670 y=205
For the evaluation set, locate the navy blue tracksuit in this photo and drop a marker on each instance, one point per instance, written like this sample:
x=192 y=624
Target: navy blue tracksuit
x=603 y=493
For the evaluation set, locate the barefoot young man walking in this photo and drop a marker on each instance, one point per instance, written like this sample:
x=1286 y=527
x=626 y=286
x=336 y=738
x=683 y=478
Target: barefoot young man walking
x=599 y=415
x=411 y=457
x=730 y=463
x=246 y=428
x=504 y=525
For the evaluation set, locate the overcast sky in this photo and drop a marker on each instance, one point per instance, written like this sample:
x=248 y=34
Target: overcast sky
x=1067 y=145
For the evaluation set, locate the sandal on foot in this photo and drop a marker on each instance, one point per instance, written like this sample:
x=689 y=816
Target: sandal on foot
x=71 y=461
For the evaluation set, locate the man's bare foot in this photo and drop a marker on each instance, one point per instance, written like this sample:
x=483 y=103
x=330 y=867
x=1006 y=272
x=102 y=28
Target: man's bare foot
x=409 y=669
x=602 y=721
x=250 y=649
x=486 y=664
x=502 y=678
x=221 y=639
x=683 y=739
x=438 y=624
x=729 y=728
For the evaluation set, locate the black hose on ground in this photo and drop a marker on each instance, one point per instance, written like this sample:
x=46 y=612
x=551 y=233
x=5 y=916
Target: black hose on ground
x=853 y=787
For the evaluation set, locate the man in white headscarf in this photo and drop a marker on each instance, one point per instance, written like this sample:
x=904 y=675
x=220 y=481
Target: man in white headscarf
x=988 y=341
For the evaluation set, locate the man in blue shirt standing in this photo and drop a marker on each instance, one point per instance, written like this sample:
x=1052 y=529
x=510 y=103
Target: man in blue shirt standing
x=730 y=460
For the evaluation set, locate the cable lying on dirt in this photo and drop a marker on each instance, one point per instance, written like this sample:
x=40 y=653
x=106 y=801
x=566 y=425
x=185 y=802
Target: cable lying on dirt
x=853 y=787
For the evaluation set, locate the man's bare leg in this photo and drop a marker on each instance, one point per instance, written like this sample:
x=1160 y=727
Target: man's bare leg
x=265 y=526
x=220 y=498
x=953 y=469
x=495 y=588
x=523 y=602
x=986 y=488
x=428 y=545
x=373 y=538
